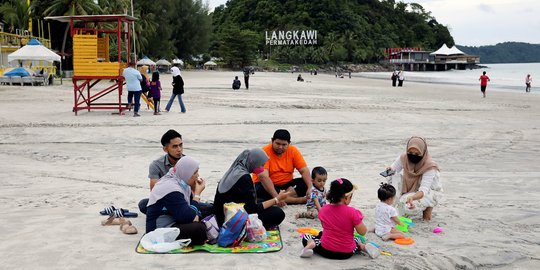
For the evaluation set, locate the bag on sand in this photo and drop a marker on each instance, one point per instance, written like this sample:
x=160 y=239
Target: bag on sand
x=163 y=240
x=233 y=231
x=212 y=228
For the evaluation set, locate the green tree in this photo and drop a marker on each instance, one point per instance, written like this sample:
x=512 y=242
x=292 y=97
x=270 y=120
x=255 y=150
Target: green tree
x=16 y=13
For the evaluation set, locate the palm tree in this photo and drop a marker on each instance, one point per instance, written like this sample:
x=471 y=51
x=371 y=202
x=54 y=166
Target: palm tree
x=16 y=13
x=70 y=8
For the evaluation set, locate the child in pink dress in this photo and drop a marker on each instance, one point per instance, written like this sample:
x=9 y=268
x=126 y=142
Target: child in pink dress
x=339 y=221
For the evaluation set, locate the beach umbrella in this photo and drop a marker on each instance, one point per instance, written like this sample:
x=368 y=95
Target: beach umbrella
x=178 y=62
x=17 y=72
x=210 y=63
x=146 y=61
x=34 y=51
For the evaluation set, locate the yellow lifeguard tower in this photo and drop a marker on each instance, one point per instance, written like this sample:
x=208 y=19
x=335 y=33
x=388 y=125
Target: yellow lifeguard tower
x=91 y=59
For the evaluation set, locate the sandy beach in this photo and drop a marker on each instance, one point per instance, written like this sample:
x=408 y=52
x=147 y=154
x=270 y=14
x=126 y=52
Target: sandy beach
x=59 y=170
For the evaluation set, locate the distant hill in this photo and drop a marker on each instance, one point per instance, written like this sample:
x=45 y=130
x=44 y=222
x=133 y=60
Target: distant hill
x=507 y=52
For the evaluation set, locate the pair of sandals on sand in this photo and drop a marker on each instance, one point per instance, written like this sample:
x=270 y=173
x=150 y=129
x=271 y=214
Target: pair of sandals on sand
x=118 y=217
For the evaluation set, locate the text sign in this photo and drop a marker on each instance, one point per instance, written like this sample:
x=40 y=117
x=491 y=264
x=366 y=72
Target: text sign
x=295 y=37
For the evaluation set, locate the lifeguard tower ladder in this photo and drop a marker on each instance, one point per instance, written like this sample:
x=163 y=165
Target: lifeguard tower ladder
x=91 y=62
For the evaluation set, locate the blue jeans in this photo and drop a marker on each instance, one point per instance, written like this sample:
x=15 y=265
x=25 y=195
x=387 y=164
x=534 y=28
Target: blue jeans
x=137 y=95
x=171 y=100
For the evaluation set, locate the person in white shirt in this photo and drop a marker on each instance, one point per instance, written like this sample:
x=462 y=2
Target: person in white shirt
x=386 y=216
x=528 y=81
x=417 y=180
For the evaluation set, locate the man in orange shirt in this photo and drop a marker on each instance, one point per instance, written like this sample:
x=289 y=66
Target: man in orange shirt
x=279 y=169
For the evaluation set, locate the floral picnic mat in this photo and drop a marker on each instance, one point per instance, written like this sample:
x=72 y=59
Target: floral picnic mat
x=271 y=244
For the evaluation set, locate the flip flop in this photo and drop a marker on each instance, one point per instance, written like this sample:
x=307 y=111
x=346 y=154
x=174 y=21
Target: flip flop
x=108 y=210
x=127 y=228
x=122 y=213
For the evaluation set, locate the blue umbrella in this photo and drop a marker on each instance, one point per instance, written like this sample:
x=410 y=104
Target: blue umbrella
x=21 y=72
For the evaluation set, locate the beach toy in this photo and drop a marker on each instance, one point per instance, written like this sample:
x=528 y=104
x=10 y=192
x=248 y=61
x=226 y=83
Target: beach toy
x=308 y=231
x=375 y=244
x=404 y=241
x=406 y=223
x=437 y=230
x=362 y=238
x=386 y=253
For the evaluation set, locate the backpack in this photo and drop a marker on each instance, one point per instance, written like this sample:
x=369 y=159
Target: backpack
x=233 y=231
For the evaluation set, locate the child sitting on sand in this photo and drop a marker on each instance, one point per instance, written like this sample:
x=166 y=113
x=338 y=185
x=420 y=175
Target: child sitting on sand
x=386 y=215
x=339 y=221
x=318 y=194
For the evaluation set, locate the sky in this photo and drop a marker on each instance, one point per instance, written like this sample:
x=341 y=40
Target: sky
x=480 y=22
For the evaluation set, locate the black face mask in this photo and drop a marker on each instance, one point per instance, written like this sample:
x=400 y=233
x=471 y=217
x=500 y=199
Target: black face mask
x=413 y=158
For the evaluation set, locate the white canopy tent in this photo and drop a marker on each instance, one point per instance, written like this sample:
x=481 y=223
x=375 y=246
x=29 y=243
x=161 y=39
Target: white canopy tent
x=444 y=50
x=146 y=61
x=34 y=51
x=163 y=62
x=177 y=62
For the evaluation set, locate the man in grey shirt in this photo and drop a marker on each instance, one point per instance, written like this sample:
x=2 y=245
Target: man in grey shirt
x=174 y=147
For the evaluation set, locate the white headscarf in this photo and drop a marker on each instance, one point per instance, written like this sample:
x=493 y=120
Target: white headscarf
x=245 y=163
x=175 y=180
x=175 y=71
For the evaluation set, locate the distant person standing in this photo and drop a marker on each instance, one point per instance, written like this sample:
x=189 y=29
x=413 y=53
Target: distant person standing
x=246 y=76
x=178 y=90
x=155 y=91
x=133 y=82
x=484 y=79
x=528 y=82
x=401 y=78
x=394 y=78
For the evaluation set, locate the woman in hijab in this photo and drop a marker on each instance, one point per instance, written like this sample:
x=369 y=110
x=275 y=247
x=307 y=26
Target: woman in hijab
x=178 y=90
x=174 y=193
x=237 y=186
x=417 y=180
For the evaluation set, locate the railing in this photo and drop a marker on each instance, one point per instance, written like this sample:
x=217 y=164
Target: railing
x=17 y=41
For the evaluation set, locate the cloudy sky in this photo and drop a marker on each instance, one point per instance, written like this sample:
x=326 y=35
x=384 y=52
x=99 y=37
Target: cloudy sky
x=480 y=22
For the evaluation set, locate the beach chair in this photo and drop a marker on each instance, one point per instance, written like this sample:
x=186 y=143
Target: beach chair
x=4 y=80
x=27 y=80
x=16 y=80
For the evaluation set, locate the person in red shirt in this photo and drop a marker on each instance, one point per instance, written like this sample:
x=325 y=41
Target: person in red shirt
x=278 y=171
x=484 y=79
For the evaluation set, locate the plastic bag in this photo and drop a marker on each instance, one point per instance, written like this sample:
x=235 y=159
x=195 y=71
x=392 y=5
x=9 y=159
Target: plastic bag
x=230 y=209
x=163 y=240
x=255 y=229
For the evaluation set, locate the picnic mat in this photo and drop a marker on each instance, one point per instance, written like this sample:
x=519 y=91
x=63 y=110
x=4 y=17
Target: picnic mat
x=271 y=244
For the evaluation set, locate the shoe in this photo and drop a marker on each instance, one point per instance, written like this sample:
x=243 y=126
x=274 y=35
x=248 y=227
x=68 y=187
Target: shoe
x=372 y=250
x=136 y=115
x=127 y=228
x=112 y=220
x=306 y=253
x=156 y=113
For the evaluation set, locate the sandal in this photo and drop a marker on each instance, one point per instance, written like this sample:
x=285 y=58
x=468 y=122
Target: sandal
x=112 y=220
x=308 y=214
x=127 y=228
x=123 y=213
x=108 y=210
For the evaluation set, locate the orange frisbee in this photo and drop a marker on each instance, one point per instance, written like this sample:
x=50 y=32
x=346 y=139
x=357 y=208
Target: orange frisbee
x=308 y=231
x=404 y=241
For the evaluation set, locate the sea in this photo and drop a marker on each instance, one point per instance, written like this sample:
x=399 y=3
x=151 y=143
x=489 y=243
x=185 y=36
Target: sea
x=502 y=76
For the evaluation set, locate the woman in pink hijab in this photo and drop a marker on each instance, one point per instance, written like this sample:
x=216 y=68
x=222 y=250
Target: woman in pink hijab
x=416 y=179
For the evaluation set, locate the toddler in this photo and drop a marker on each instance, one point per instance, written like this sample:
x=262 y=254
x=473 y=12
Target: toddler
x=339 y=221
x=386 y=215
x=155 y=90
x=318 y=194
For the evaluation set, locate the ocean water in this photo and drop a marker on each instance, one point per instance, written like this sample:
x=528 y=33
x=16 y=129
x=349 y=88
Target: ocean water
x=502 y=76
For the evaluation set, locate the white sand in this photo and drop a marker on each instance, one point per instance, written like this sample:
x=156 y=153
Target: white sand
x=59 y=170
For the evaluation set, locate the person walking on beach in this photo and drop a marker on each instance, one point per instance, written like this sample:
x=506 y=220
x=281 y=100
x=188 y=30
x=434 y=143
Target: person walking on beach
x=133 y=82
x=528 y=81
x=401 y=78
x=178 y=90
x=394 y=78
x=484 y=79
x=155 y=91
x=247 y=70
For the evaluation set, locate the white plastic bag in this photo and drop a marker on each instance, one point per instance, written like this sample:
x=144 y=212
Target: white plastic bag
x=255 y=229
x=163 y=240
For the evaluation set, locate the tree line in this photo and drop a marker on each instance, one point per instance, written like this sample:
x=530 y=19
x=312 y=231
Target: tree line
x=354 y=31
x=507 y=52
